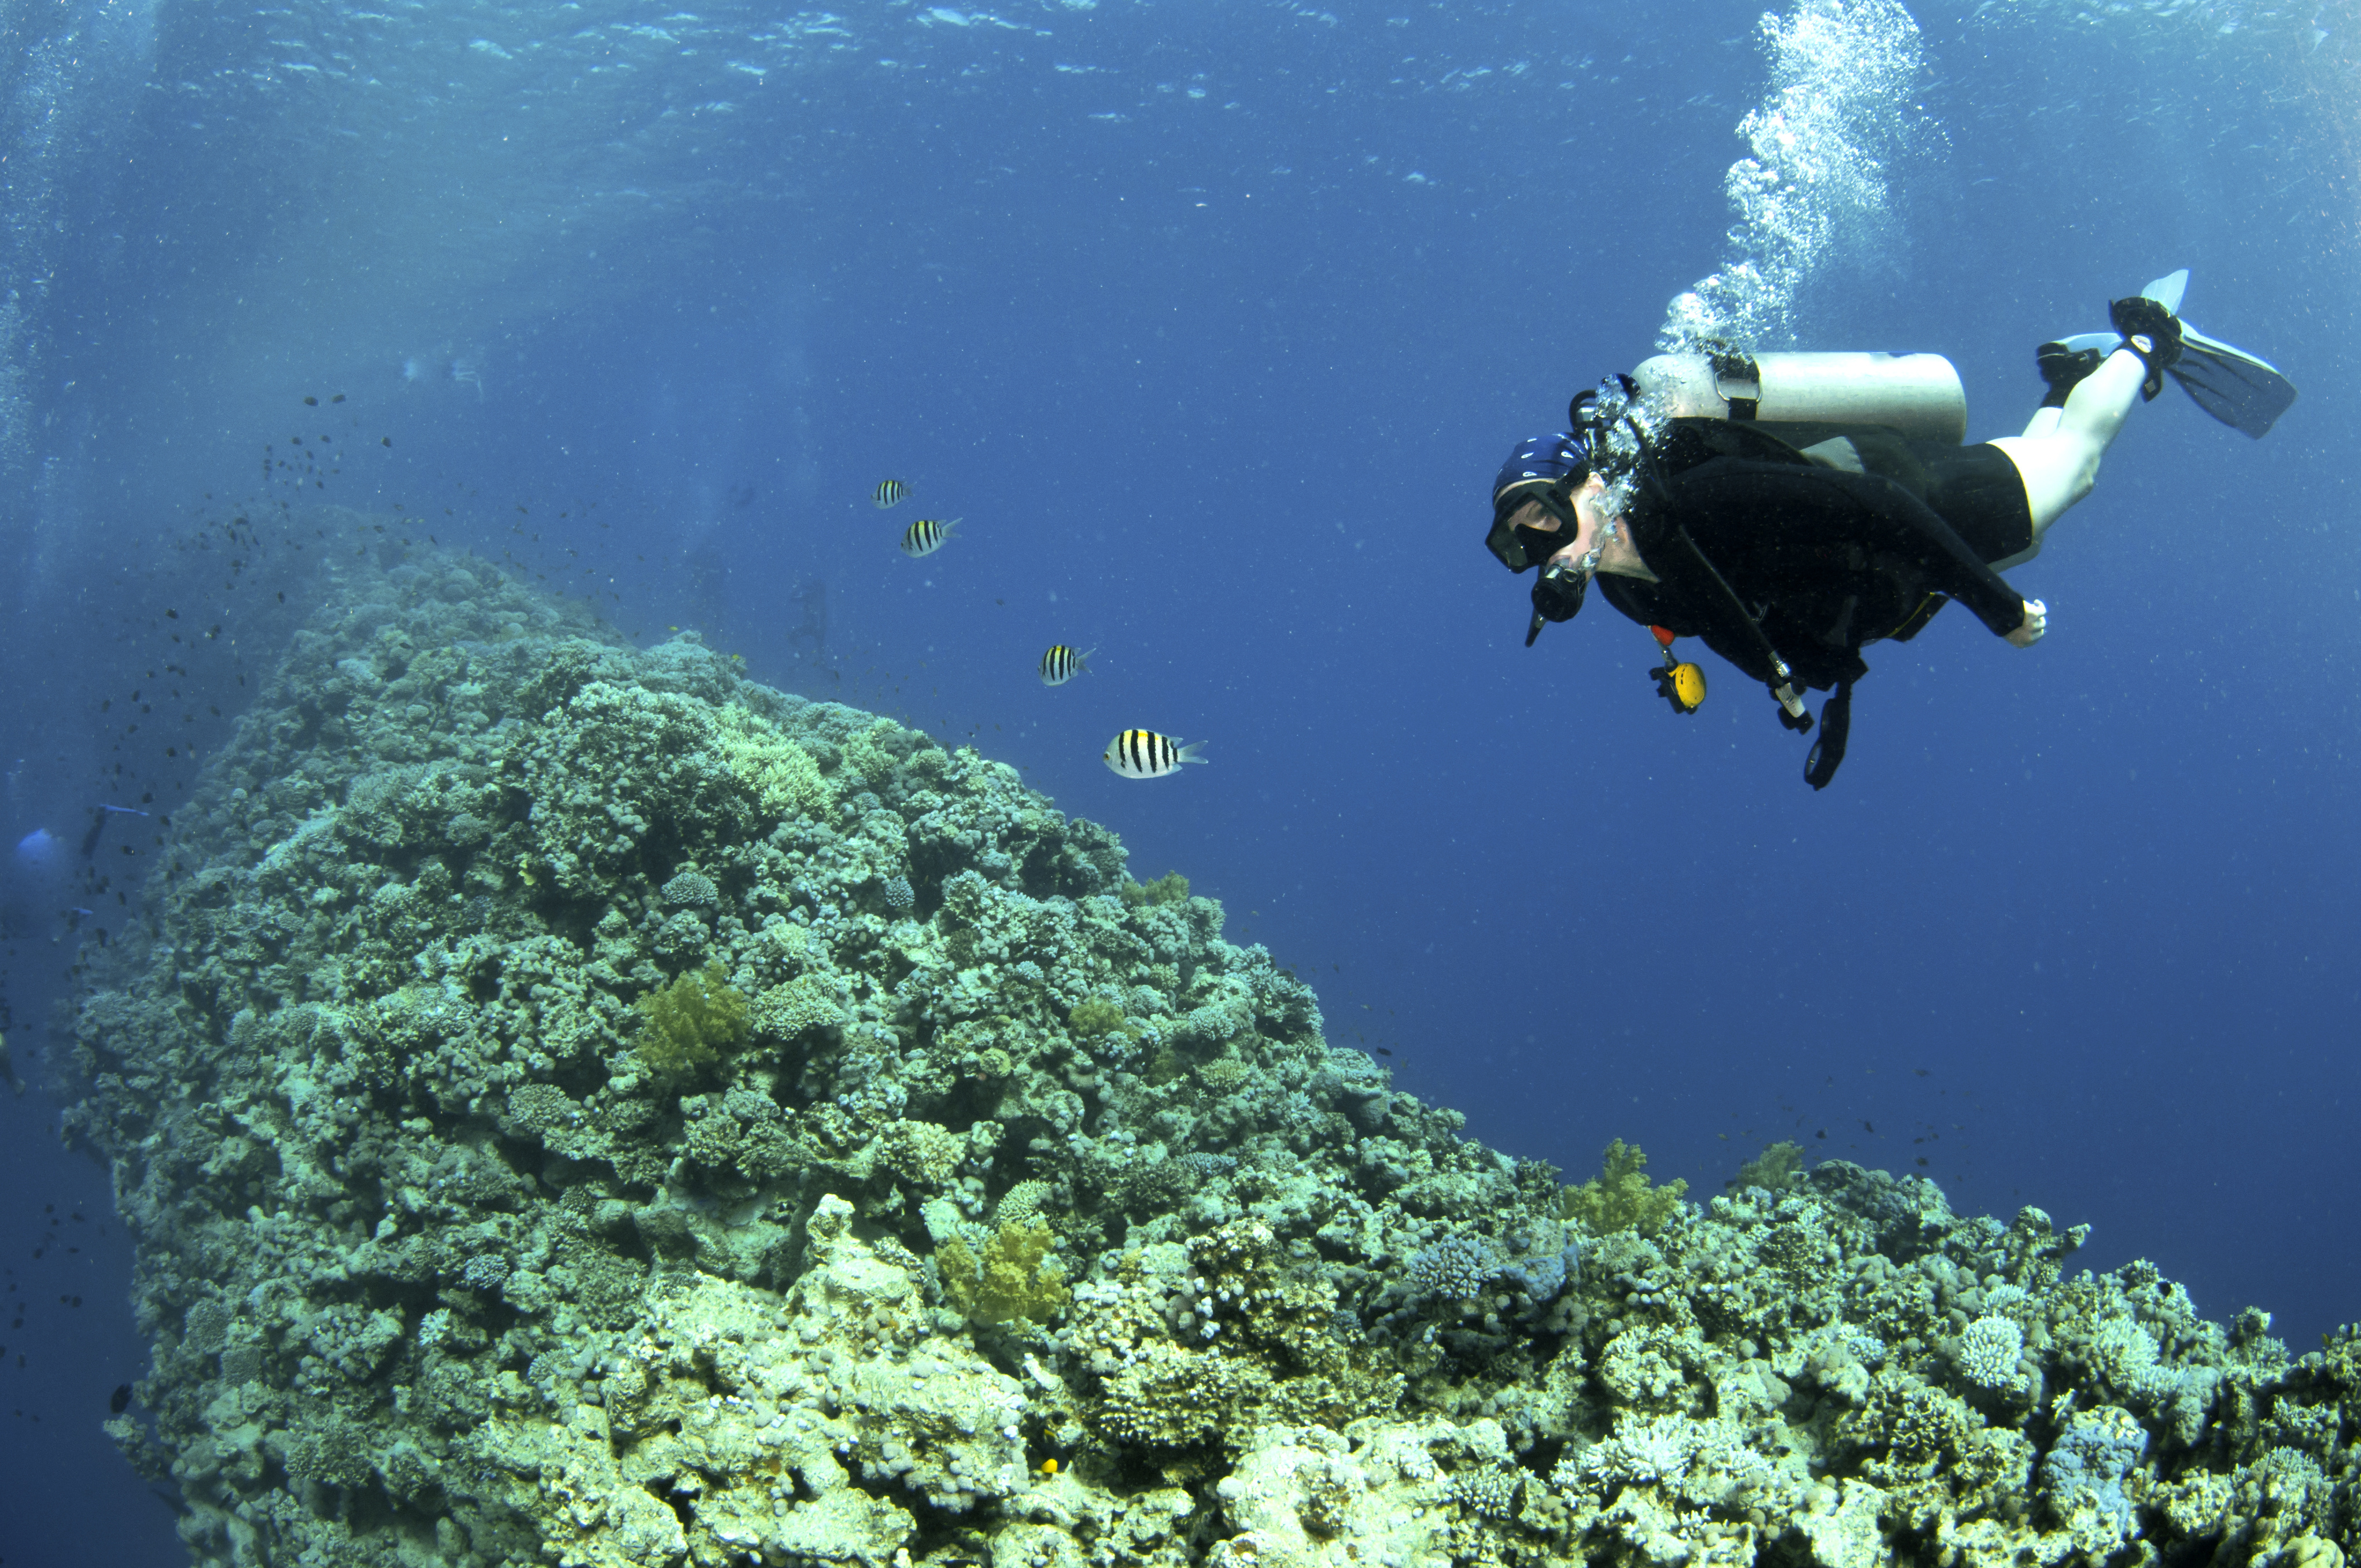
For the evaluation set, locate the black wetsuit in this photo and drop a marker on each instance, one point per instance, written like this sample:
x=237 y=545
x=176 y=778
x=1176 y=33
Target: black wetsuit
x=1863 y=540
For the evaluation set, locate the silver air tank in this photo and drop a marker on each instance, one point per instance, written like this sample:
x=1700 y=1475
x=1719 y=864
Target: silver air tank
x=1919 y=395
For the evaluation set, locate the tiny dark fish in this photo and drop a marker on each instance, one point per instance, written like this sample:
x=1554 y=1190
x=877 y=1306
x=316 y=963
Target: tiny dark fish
x=1383 y=1052
x=889 y=492
x=309 y=404
x=120 y=1401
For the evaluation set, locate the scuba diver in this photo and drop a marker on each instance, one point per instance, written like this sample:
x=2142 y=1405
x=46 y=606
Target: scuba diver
x=1790 y=509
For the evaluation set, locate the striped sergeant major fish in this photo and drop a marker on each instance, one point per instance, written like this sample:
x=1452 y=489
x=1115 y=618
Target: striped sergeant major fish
x=926 y=536
x=1061 y=664
x=887 y=493
x=1145 y=754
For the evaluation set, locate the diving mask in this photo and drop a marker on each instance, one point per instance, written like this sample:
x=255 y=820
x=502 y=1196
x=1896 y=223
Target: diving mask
x=1521 y=546
x=1547 y=469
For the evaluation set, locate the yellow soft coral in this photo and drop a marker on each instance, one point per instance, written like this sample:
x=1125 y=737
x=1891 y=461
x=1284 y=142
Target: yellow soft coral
x=1620 y=1199
x=687 y=1027
x=782 y=774
x=1016 y=1277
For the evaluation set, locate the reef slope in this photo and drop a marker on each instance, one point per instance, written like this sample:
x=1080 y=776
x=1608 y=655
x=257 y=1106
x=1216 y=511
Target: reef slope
x=578 y=1106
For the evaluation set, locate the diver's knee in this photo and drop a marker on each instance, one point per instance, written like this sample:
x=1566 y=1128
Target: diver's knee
x=2086 y=473
x=2082 y=481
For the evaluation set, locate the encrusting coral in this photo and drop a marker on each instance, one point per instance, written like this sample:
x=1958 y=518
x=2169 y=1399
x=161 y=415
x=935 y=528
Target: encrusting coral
x=560 y=1129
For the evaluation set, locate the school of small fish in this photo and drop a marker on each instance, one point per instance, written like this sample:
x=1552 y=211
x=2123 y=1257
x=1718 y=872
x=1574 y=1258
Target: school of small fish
x=1133 y=753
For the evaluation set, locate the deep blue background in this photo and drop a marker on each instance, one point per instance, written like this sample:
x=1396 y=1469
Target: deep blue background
x=1213 y=322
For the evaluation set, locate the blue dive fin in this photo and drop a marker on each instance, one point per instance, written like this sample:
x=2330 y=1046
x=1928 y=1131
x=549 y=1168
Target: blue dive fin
x=2167 y=290
x=2244 y=392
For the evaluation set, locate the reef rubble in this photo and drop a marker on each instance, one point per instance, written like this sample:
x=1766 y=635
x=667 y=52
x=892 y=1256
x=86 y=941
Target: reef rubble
x=578 y=1106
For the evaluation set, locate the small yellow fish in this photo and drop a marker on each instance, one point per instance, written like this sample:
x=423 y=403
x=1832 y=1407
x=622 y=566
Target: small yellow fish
x=1145 y=754
x=926 y=536
x=887 y=493
x=1061 y=664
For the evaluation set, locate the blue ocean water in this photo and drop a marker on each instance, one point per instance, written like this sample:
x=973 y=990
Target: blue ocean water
x=1211 y=323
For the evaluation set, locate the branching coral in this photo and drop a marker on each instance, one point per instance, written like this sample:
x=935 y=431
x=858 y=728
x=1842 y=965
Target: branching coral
x=865 y=754
x=785 y=780
x=785 y=1012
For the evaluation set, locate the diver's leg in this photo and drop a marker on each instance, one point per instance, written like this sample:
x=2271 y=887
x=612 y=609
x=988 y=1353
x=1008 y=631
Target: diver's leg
x=2057 y=456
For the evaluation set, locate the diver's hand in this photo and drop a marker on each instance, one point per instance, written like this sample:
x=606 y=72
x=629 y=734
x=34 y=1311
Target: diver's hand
x=2035 y=622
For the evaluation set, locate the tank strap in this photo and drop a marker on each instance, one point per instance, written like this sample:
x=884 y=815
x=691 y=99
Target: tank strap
x=1735 y=377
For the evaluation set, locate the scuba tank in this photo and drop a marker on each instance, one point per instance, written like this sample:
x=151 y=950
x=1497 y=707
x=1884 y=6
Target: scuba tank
x=1917 y=395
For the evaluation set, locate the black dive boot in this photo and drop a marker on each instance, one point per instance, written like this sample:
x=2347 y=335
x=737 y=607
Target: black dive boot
x=2064 y=368
x=2151 y=332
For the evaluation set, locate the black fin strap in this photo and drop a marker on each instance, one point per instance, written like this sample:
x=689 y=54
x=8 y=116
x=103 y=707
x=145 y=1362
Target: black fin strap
x=1827 y=752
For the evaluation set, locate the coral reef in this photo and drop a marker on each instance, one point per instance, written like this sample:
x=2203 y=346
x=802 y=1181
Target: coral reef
x=577 y=1106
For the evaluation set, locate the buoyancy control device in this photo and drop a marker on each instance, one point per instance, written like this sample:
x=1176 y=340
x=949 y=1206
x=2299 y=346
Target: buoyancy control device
x=1802 y=398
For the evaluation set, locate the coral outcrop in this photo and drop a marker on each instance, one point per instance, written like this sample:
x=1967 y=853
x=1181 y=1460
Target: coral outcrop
x=578 y=1106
